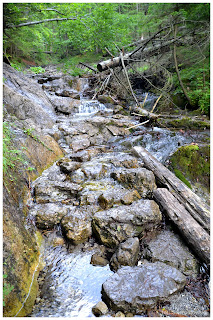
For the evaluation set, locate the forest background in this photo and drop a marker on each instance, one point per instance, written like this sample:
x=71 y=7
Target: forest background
x=66 y=33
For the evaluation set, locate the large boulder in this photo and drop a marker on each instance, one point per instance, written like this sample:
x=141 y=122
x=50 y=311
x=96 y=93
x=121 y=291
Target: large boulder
x=52 y=186
x=127 y=254
x=167 y=247
x=94 y=169
x=124 y=160
x=48 y=215
x=25 y=99
x=76 y=225
x=56 y=191
x=92 y=190
x=117 y=224
x=136 y=289
x=141 y=179
x=65 y=105
x=117 y=195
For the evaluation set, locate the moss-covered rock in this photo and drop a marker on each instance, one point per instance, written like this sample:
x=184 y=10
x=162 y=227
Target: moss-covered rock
x=186 y=123
x=193 y=162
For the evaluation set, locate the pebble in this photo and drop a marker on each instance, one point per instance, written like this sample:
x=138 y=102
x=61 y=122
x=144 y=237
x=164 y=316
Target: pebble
x=100 y=309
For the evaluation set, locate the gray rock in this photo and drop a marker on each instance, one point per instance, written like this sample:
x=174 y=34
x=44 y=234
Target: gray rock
x=92 y=190
x=98 y=260
x=67 y=130
x=94 y=169
x=89 y=129
x=115 y=225
x=77 y=176
x=65 y=105
x=126 y=255
x=117 y=195
x=170 y=249
x=54 y=191
x=25 y=99
x=48 y=215
x=135 y=289
x=116 y=131
x=77 y=224
x=67 y=165
x=141 y=179
x=124 y=160
x=68 y=93
x=187 y=305
x=80 y=156
x=100 y=309
x=80 y=142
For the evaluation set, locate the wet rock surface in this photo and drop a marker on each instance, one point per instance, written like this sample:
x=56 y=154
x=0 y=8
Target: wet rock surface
x=48 y=215
x=77 y=224
x=135 y=289
x=167 y=247
x=115 y=225
x=127 y=254
x=141 y=179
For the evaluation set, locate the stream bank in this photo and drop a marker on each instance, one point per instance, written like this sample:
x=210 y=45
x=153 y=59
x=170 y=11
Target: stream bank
x=95 y=205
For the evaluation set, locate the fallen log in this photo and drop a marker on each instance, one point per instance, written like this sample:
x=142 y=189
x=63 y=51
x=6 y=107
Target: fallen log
x=129 y=57
x=199 y=210
x=144 y=113
x=196 y=237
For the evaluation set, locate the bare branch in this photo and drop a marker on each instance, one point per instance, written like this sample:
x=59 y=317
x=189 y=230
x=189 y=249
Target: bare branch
x=45 y=20
x=123 y=65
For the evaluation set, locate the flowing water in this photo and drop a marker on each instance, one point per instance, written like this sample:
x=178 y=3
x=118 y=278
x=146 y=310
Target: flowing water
x=70 y=285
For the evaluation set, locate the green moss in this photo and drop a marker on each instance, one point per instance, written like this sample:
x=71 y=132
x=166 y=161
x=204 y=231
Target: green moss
x=188 y=123
x=182 y=178
x=193 y=162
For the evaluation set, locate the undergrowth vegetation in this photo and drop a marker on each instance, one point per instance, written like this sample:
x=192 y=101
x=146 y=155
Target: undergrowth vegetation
x=11 y=156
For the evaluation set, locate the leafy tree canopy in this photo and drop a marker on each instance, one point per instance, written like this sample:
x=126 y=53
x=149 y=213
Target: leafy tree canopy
x=46 y=32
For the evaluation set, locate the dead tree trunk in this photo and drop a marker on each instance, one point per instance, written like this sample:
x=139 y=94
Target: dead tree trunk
x=196 y=237
x=147 y=52
x=166 y=179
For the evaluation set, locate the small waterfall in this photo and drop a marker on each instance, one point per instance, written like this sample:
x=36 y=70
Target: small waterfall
x=90 y=107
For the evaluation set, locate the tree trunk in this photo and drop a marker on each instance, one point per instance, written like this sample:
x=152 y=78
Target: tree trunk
x=177 y=70
x=166 y=179
x=196 y=237
x=147 y=52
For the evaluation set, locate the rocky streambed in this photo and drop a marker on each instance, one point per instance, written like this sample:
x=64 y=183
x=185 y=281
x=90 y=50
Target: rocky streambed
x=107 y=248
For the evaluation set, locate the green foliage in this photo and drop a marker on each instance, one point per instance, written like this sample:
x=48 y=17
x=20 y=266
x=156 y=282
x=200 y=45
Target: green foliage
x=196 y=79
x=18 y=66
x=11 y=157
x=95 y=26
x=30 y=169
x=37 y=70
x=7 y=288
